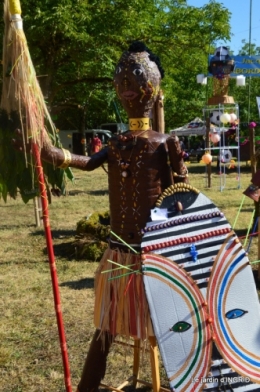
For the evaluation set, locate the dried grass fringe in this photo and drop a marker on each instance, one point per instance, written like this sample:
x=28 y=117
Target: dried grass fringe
x=120 y=304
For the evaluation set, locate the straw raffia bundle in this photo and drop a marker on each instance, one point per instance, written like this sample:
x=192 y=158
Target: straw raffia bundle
x=21 y=91
x=23 y=106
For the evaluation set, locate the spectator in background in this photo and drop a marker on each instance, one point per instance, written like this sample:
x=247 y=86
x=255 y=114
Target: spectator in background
x=185 y=154
x=89 y=146
x=96 y=144
x=199 y=151
x=182 y=144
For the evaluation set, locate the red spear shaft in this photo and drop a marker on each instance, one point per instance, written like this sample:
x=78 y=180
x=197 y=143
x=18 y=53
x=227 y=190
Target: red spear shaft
x=54 y=277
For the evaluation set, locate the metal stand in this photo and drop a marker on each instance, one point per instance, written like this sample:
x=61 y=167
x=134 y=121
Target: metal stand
x=222 y=147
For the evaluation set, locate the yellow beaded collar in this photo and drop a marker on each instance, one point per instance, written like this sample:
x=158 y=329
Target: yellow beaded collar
x=139 y=124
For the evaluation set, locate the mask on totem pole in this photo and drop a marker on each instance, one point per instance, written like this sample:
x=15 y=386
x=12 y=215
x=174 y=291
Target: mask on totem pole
x=221 y=64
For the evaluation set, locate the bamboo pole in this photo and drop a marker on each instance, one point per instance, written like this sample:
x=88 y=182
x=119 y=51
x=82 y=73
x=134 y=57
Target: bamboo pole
x=36 y=212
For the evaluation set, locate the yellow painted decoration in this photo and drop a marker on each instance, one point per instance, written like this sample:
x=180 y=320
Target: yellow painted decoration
x=15 y=7
x=136 y=124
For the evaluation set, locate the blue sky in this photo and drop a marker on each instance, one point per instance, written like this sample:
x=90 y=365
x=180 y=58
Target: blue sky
x=240 y=21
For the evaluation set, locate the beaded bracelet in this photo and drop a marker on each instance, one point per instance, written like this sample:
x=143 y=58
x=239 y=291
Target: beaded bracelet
x=67 y=159
x=180 y=175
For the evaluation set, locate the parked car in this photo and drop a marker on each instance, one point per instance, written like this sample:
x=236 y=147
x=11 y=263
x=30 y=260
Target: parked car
x=103 y=134
x=115 y=127
x=72 y=139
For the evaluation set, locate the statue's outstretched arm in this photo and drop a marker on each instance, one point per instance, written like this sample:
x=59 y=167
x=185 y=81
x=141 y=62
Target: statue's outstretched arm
x=63 y=158
x=180 y=171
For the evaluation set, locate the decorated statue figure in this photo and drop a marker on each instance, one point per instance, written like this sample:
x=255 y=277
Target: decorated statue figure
x=221 y=66
x=174 y=269
x=142 y=163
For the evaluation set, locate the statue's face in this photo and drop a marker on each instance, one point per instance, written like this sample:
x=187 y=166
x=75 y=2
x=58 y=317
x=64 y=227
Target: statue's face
x=137 y=80
x=221 y=69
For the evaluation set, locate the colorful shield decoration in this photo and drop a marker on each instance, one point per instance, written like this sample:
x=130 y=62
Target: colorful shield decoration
x=234 y=308
x=181 y=322
x=196 y=272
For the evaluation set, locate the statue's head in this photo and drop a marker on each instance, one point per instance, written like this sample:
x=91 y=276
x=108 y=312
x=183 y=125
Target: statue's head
x=137 y=80
x=221 y=64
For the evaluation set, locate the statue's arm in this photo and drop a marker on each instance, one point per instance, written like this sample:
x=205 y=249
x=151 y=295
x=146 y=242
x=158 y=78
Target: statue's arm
x=179 y=169
x=59 y=156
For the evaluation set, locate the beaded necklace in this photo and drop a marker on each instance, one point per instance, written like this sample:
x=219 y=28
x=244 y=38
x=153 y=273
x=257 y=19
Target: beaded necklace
x=124 y=164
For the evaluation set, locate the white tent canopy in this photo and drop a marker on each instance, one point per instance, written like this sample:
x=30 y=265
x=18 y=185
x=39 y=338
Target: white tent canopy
x=193 y=128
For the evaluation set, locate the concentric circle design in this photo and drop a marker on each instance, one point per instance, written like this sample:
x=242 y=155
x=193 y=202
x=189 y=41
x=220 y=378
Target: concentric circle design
x=177 y=304
x=235 y=314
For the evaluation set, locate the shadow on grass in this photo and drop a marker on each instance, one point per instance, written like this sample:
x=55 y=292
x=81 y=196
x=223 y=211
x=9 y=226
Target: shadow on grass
x=66 y=250
x=14 y=226
x=63 y=242
x=248 y=209
x=240 y=233
x=87 y=283
x=56 y=234
x=100 y=192
x=131 y=388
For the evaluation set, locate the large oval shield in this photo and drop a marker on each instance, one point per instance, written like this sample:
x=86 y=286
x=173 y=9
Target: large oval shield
x=194 y=253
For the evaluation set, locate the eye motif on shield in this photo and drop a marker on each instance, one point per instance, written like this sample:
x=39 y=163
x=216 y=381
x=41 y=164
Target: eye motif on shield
x=236 y=329
x=180 y=320
x=235 y=313
x=180 y=326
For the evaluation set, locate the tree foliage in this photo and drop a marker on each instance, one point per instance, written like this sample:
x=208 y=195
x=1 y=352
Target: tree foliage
x=75 y=46
x=246 y=96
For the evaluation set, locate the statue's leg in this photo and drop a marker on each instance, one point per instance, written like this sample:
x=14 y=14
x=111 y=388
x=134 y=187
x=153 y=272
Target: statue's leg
x=95 y=364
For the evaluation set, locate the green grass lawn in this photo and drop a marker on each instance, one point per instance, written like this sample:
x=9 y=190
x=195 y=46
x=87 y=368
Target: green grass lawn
x=30 y=359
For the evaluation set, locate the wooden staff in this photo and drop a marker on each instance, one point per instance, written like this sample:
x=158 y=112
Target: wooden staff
x=54 y=278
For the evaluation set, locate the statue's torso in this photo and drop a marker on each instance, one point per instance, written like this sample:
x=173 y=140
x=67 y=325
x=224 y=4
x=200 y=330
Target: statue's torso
x=138 y=174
